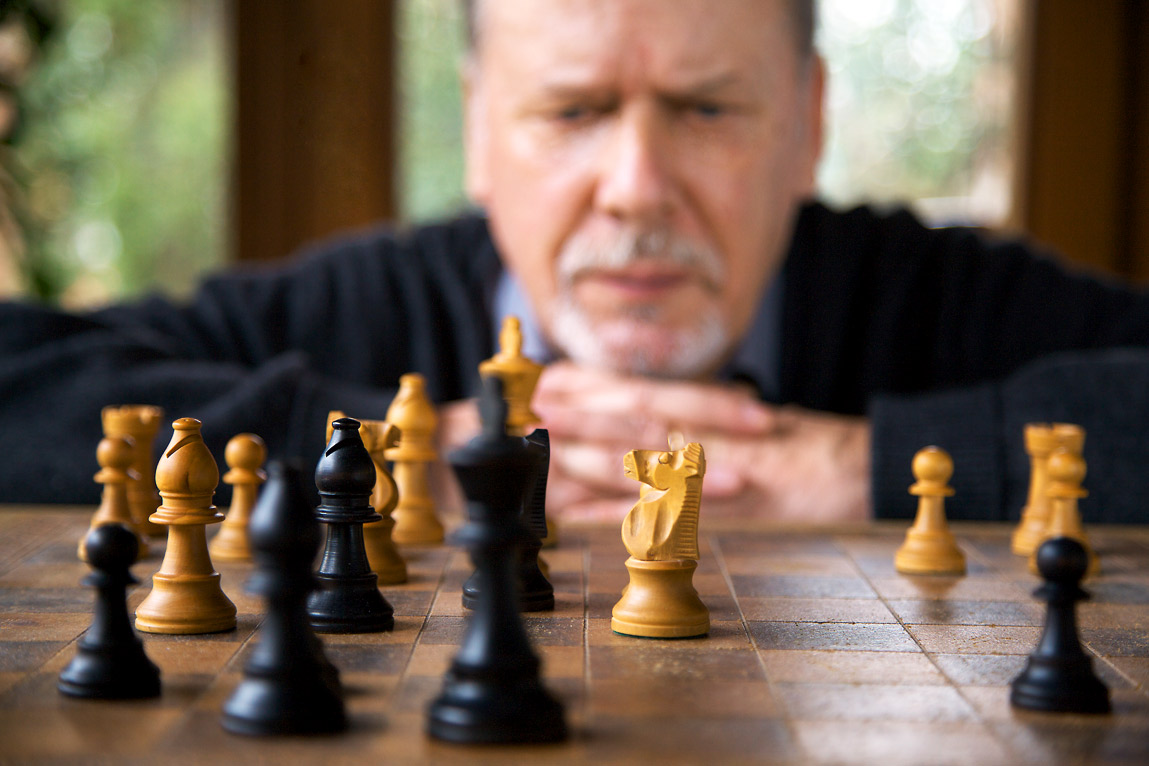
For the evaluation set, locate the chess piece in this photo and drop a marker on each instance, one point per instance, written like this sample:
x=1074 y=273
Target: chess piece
x=244 y=454
x=536 y=594
x=186 y=595
x=930 y=547
x=289 y=685
x=348 y=598
x=1058 y=677
x=1040 y=441
x=110 y=662
x=411 y=412
x=520 y=376
x=1066 y=472
x=382 y=554
x=492 y=692
x=661 y=535
x=114 y=454
x=141 y=422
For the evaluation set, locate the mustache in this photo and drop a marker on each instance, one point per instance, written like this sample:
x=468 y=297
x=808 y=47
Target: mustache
x=634 y=246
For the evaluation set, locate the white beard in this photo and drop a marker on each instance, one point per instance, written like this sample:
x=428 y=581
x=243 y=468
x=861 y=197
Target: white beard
x=633 y=340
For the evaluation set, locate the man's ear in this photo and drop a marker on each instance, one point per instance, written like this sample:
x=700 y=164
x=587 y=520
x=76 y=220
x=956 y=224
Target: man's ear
x=476 y=136
x=813 y=130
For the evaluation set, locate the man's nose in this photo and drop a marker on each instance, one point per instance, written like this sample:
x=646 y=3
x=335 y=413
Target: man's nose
x=635 y=182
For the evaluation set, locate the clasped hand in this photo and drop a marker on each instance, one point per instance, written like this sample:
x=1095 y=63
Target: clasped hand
x=762 y=461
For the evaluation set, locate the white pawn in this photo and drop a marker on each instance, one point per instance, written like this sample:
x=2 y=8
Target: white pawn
x=930 y=547
x=245 y=454
x=115 y=456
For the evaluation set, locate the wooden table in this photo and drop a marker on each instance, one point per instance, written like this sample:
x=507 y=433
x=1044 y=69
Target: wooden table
x=819 y=652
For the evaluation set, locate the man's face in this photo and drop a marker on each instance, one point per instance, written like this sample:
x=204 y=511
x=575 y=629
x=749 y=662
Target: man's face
x=641 y=162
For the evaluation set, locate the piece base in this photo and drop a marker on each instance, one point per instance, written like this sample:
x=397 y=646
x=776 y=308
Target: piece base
x=660 y=601
x=1094 y=700
x=230 y=544
x=527 y=719
x=261 y=708
x=1053 y=685
x=416 y=526
x=931 y=553
x=185 y=605
x=1028 y=535
x=124 y=674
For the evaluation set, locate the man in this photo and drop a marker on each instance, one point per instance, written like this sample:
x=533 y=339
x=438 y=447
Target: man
x=670 y=149
x=643 y=165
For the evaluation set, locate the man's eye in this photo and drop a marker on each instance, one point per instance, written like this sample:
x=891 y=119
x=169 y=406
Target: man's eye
x=709 y=110
x=572 y=113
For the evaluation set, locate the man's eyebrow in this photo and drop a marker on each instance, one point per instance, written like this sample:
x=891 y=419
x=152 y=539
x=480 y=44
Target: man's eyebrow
x=560 y=87
x=705 y=86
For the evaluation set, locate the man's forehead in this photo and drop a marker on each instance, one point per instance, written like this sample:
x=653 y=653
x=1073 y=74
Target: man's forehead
x=697 y=41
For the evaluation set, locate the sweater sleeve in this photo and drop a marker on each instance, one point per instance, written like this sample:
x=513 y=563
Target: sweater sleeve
x=269 y=352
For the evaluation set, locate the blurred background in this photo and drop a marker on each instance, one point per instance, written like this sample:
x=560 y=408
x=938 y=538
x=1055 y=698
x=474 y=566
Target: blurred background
x=144 y=143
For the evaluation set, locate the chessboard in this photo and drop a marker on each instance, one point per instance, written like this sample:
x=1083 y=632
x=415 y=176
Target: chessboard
x=819 y=652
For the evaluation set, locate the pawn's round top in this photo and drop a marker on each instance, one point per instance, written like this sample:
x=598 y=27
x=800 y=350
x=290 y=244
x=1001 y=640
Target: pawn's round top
x=115 y=455
x=1066 y=467
x=932 y=468
x=112 y=548
x=245 y=454
x=1062 y=560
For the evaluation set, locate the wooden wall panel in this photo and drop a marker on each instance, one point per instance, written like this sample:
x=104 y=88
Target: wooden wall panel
x=314 y=152
x=1085 y=182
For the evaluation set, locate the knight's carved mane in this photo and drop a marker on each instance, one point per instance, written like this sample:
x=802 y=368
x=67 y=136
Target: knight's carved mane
x=685 y=541
x=663 y=525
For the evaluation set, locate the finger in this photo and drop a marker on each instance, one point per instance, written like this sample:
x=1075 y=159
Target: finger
x=715 y=407
x=611 y=510
x=633 y=430
x=562 y=491
x=722 y=481
x=458 y=424
x=596 y=466
x=720 y=407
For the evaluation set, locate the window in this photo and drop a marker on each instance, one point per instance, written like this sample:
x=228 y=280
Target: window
x=920 y=105
x=121 y=177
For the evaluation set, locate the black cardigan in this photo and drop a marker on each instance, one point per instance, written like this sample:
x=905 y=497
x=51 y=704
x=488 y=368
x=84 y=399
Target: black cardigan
x=941 y=336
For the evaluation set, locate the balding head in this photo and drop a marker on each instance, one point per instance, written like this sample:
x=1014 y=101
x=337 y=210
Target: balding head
x=803 y=17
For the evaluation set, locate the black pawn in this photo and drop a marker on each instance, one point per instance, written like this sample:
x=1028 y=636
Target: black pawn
x=289 y=686
x=348 y=599
x=536 y=594
x=110 y=662
x=492 y=692
x=1059 y=678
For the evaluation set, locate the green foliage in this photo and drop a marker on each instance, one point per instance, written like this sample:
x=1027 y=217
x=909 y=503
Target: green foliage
x=919 y=104
x=431 y=117
x=122 y=154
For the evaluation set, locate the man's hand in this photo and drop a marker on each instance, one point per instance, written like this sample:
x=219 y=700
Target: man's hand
x=761 y=461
